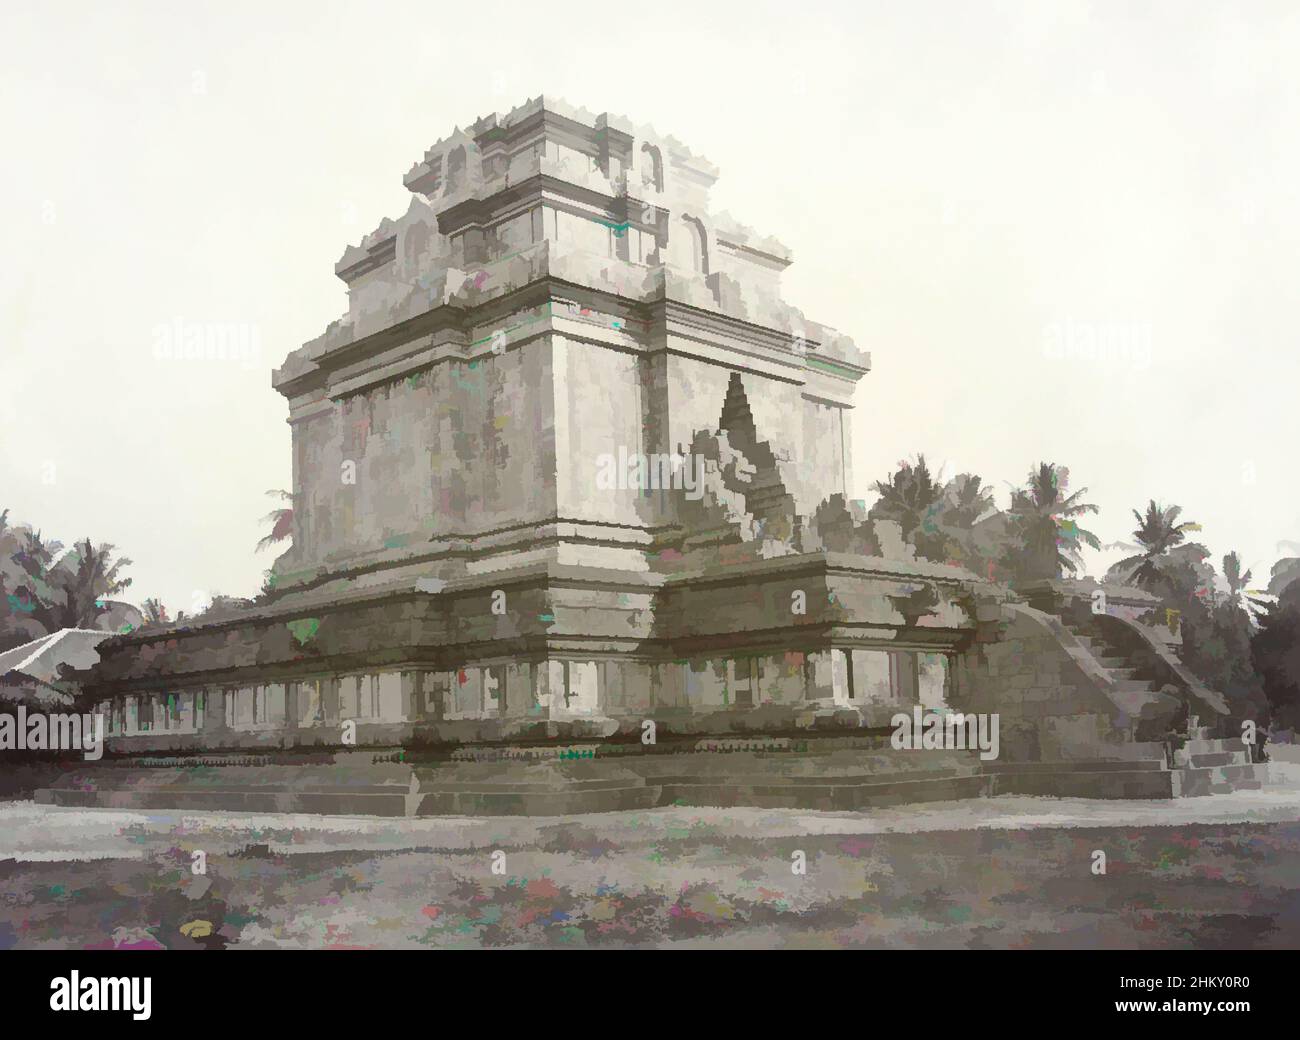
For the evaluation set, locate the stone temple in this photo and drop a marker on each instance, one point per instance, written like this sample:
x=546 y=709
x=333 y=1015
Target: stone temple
x=570 y=463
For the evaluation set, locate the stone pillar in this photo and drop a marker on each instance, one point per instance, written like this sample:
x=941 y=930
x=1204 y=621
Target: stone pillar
x=520 y=690
x=550 y=687
x=667 y=686
x=841 y=678
x=412 y=697
x=933 y=674
x=329 y=698
x=904 y=677
x=214 y=711
x=637 y=696
x=310 y=702
x=433 y=695
x=826 y=700
x=613 y=700
x=290 y=725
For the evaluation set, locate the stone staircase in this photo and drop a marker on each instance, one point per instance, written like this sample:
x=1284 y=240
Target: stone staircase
x=1202 y=765
x=1127 y=674
x=1207 y=766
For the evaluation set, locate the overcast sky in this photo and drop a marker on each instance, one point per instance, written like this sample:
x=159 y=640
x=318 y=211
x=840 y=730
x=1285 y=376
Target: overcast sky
x=971 y=190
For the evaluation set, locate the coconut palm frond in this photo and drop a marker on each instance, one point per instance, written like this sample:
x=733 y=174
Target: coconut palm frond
x=281 y=521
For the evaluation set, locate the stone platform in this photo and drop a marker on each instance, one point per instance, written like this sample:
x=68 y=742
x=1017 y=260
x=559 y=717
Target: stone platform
x=827 y=774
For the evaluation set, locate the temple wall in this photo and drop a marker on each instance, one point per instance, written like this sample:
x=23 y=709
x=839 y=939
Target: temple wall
x=695 y=391
x=462 y=447
x=821 y=469
x=748 y=272
x=505 y=697
x=804 y=433
x=599 y=413
x=468 y=447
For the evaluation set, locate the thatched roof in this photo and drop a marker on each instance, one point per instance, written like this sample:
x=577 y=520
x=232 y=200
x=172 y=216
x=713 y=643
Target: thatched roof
x=29 y=673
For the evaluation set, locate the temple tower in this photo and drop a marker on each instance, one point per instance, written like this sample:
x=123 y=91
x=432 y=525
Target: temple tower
x=559 y=295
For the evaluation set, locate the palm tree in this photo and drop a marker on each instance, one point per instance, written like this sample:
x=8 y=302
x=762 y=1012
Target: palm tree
x=34 y=556
x=281 y=521
x=1158 y=532
x=1237 y=581
x=969 y=525
x=45 y=587
x=966 y=500
x=26 y=562
x=87 y=588
x=908 y=496
x=1044 y=521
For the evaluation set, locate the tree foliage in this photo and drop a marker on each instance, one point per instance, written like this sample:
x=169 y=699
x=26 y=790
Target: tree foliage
x=1275 y=652
x=281 y=521
x=1157 y=533
x=45 y=586
x=1046 y=538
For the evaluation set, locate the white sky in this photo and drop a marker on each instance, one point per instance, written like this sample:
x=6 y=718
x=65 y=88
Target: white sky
x=956 y=180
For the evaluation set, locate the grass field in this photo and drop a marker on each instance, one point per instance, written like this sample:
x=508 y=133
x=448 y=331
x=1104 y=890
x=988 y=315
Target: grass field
x=1219 y=873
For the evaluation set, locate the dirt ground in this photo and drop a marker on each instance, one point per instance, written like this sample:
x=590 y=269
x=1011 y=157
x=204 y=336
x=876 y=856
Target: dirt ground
x=991 y=873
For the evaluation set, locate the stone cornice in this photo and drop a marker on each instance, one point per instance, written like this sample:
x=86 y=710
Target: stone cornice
x=540 y=187
x=327 y=367
x=376 y=256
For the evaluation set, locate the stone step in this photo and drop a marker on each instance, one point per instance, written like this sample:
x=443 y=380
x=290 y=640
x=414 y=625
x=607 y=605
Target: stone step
x=1087 y=783
x=1122 y=674
x=537 y=802
x=233 y=799
x=1135 y=765
x=1195 y=783
x=1216 y=758
x=1133 y=685
x=766 y=780
x=450 y=799
x=1211 y=746
x=1105 y=654
x=1097 y=645
x=829 y=797
x=428 y=786
x=845 y=780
